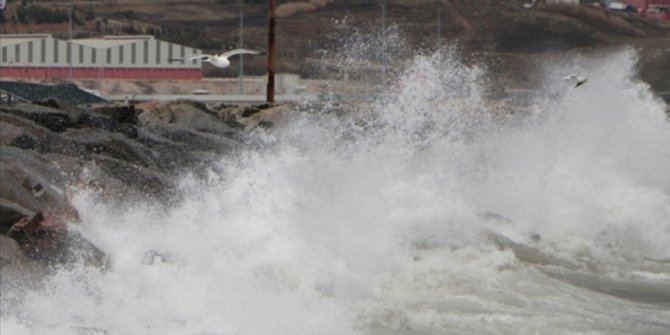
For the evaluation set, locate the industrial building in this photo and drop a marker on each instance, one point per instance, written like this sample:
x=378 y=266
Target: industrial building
x=569 y=2
x=659 y=9
x=41 y=56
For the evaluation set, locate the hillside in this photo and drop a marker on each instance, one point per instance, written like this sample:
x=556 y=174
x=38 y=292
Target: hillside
x=498 y=31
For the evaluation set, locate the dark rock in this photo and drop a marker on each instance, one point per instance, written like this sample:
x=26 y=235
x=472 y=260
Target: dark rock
x=535 y=237
x=250 y=111
x=235 y=125
x=139 y=180
x=250 y=117
x=129 y=130
x=73 y=111
x=21 y=171
x=81 y=250
x=88 y=175
x=39 y=238
x=265 y=118
x=97 y=121
x=265 y=124
x=116 y=151
x=192 y=140
x=10 y=213
x=16 y=269
x=229 y=113
x=24 y=142
x=9 y=251
x=187 y=115
x=127 y=114
x=122 y=114
x=170 y=155
x=23 y=133
x=10 y=130
x=47 y=240
x=114 y=145
x=51 y=118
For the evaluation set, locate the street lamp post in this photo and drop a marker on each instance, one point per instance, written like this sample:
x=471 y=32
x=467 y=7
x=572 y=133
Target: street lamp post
x=69 y=47
x=439 y=25
x=270 y=89
x=383 y=41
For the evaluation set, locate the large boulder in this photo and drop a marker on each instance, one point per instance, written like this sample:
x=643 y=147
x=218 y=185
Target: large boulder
x=30 y=180
x=192 y=140
x=50 y=150
x=139 y=181
x=119 y=113
x=185 y=114
x=10 y=213
x=114 y=145
x=49 y=117
x=264 y=118
x=20 y=132
x=248 y=117
x=16 y=269
x=10 y=252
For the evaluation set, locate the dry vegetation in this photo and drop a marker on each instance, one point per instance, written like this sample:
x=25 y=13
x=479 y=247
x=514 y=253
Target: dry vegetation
x=496 y=27
x=598 y=18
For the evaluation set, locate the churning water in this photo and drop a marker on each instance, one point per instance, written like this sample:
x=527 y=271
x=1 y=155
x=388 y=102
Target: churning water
x=430 y=210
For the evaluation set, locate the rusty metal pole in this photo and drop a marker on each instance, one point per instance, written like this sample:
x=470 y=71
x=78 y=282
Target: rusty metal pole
x=439 y=26
x=270 y=90
x=241 y=46
x=383 y=5
x=69 y=42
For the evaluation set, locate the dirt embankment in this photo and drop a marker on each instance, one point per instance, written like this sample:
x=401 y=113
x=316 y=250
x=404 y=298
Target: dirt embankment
x=500 y=27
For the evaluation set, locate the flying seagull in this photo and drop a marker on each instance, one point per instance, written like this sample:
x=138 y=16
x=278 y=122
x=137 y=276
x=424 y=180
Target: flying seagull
x=575 y=79
x=218 y=60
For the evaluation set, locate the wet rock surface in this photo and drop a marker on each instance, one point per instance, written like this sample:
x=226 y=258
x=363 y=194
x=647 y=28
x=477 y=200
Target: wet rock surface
x=51 y=150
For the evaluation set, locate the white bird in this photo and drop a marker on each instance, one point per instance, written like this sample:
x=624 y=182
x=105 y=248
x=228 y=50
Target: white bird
x=575 y=79
x=218 y=60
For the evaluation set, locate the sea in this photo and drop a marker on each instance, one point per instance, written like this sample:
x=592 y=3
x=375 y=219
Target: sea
x=430 y=207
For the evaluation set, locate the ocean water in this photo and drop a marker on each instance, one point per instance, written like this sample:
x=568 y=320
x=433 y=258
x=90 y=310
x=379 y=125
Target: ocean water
x=429 y=209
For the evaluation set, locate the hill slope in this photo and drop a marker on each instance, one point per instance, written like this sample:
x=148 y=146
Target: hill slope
x=487 y=27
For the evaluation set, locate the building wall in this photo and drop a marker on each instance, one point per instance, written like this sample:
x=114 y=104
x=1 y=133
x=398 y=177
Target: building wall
x=638 y=4
x=35 y=52
x=643 y=7
x=571 y=2
x=643 y=4
x=63 y=72
x=659 y=15
x=44 y=57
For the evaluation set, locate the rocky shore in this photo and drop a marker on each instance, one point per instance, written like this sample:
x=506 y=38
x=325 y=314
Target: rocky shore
x=51 y=150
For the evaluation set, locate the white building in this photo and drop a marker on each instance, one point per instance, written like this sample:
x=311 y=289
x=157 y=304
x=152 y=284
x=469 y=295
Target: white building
x=122 y=57
x=569 y=2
